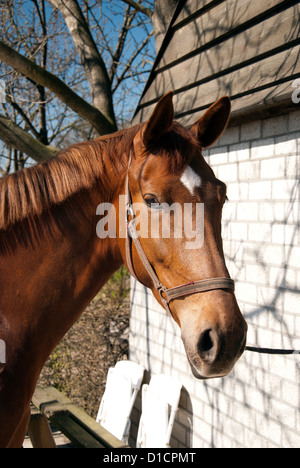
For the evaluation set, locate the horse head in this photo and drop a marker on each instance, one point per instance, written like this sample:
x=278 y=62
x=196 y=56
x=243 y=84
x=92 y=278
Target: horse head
x=177 y=196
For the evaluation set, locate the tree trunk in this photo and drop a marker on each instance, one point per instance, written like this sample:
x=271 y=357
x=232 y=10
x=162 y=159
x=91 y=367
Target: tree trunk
x=91 y=60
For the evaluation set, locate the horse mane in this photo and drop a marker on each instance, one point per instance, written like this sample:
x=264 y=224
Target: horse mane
x=177 y=146
x=32 y=191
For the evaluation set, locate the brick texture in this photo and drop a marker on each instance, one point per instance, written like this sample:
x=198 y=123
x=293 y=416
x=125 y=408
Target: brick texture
x=258 y=404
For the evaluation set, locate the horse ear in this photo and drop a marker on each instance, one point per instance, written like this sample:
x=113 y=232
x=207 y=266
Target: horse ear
x=213 y=123
x=160 y=121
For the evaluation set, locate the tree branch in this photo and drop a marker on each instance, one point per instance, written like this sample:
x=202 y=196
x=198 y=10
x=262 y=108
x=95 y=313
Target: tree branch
x=42 y=77
x=146 y=11
x=43 y=136
x=129 y=63
x=17 y=138
x=121 y=42
x=6 y=170
x=24 y=116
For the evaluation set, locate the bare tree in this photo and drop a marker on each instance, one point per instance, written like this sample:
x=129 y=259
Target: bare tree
x=71 y=69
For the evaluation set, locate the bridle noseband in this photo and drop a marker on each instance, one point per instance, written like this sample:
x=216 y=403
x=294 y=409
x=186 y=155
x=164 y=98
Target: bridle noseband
x=166 y=294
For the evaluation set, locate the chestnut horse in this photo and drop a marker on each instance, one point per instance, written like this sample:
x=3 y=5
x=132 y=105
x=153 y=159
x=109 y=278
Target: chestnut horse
x=52 y=262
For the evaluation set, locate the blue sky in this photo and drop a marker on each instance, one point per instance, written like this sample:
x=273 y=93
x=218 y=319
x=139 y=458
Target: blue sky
x=111 y=16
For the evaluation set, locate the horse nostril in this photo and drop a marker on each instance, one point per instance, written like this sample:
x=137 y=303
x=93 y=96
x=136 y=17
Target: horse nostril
x=205 y=342
x=207 y=346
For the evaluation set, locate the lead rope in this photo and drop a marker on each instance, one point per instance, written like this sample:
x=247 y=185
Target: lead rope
x=271 y=350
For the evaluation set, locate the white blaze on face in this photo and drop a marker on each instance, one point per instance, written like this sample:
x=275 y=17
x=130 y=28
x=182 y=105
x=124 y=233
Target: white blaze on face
x=190 y=179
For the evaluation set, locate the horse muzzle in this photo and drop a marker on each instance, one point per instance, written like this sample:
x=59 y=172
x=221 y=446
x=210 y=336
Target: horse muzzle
x=211 y=351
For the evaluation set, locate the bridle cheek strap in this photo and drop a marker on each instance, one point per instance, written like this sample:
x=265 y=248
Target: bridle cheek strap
x=166 y=294
x=169 y=294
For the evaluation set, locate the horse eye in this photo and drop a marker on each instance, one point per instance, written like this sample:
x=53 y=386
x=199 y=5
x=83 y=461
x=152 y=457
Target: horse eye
x=151 y=201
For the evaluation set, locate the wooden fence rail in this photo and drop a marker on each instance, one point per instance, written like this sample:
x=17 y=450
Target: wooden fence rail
x=81 y=429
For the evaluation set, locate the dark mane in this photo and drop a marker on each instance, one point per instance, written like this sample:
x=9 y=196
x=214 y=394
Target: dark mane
x=178 y=146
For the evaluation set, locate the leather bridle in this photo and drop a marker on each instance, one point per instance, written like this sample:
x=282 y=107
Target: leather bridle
x=166 y=294
x=169 y=294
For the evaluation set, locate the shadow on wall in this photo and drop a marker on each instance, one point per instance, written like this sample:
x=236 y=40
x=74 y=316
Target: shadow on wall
x=262 y=395
x=268 y=255
x=222 y=57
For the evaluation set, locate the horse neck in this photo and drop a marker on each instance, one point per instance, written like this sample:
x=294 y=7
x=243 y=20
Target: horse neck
x=61 y=266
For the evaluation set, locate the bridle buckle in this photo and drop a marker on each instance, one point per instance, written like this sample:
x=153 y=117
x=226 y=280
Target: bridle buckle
x=129 y=212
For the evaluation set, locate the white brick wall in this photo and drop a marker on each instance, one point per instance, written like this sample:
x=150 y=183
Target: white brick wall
x=258 y=404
